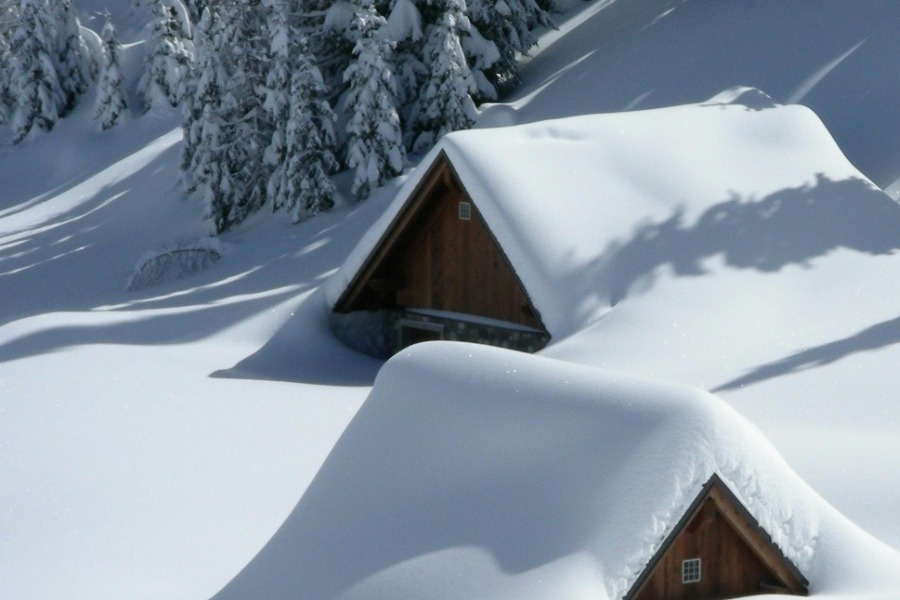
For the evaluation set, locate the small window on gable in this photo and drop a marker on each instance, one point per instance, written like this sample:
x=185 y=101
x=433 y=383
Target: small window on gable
x=690 y=570
x=465 y=211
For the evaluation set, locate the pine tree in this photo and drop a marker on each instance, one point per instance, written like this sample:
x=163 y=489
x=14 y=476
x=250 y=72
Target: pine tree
x=406 y=29
x=203 y=89
x=111 y=100
x=226 y=131
x=195 y=9
x=483 y=57
x=276 y=100
x=444 y=101
x=48 y=63
x=334 y=43
x=508 y=24
x=310 y=140
x=7 y=16
x=375 y=142
x=40 y=98
x=168 y=58
x=74 y=65
x=300 y=152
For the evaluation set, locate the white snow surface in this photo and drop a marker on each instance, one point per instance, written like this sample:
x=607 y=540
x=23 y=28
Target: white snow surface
x=152 y=442
x=479 y=472
x=620 y=55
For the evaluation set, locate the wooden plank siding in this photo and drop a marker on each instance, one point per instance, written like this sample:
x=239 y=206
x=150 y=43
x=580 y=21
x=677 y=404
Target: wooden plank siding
x=431 y=259
x=455 y=265
x=737 y=557
x=729 y=568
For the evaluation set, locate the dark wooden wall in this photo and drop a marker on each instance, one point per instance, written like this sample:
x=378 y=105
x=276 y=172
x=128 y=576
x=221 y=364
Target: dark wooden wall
x=454 y=265
x=729 y=567
x=429 y=258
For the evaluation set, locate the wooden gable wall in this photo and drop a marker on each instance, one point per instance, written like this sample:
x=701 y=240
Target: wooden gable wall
x=432 y=259
x=729 y=568
x=737 y=557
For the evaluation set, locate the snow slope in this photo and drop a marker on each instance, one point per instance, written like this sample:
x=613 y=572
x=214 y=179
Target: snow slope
x=756 y=262
x=153 y=441
x=479 y=472
x=837 y=58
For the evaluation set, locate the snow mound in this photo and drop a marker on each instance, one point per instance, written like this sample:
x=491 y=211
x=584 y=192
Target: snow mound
x=478 y=472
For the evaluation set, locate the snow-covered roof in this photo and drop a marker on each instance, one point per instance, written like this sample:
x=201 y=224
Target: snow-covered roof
x=563 y=197
x=477 y=472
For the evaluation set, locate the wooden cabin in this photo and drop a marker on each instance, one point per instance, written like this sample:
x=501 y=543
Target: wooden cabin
x=717 y=551
x=438 y=273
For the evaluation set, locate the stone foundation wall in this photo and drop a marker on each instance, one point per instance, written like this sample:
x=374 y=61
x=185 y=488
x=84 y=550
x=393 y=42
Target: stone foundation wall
x=379 y=333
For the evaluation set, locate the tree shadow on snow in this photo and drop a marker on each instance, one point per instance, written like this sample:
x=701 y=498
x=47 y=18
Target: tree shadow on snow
x=875 y=337
x=75 y=260
x=790 y=227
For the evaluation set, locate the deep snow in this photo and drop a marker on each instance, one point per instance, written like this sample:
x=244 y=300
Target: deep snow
x=478 y=472
x=588 y=209
x=153 y=441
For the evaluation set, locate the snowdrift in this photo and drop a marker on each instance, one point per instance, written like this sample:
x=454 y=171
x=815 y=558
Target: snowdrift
x=478 y=472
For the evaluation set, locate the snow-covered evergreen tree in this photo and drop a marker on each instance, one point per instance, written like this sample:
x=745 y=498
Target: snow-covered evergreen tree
x=374 y=139
x=334 y=42
x=276 y=99
x=74 y=65
x=483 y=57
x=40 y=97
x=111 y=101
x=167 y=65
x=47 y=64
x=508 y=24
x=301 y=150
x=7 y=18
x=310 y=140
x=195 y=9
x=256 y=120
x=226 y=132
x=405 y=28
x=444 y=102
x=203 y=89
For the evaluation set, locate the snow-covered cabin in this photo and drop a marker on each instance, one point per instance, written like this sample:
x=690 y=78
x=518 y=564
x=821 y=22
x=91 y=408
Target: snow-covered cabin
x=478 y=472
x=515 y=236
x=717 y=550
x=438 y=272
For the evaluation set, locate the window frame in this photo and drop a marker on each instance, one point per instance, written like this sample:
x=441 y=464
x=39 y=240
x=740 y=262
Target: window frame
x=691 y=570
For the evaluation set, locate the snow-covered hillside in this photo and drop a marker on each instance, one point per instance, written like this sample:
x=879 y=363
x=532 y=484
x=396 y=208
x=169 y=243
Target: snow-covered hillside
x=478 y=472
x=153 y=441
x=838 y=59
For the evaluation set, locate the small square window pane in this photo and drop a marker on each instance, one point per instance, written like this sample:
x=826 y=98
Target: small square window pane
x=690 y=570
